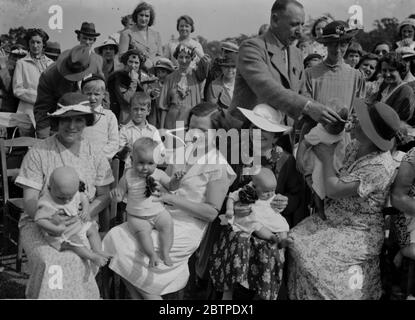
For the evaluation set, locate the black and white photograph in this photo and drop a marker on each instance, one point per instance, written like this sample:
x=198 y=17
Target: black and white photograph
x=212 y=154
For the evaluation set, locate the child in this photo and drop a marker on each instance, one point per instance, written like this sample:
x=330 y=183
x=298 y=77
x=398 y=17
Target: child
x=312 y=60
x=143 y=212
x=104 y=133
x=63 y=198
x=263 y=221
x=138 y=126
x=353 y=54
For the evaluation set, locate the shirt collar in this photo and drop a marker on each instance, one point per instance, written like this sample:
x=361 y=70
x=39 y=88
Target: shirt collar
x=334 y=66
x=132 y=124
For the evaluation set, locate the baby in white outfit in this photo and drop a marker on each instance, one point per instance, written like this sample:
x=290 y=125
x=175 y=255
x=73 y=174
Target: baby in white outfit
x=263 y=221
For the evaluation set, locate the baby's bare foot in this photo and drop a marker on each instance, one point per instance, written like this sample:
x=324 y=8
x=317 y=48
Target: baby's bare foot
x=154 y=261
x=167 y=260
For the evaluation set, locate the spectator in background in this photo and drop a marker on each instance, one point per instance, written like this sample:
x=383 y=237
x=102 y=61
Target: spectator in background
x=381 y=48
x=52 y=50
x=312 y=60
x=87 y=36
x=141 y=36
x=128 y=23
x=108 y=50
x=394 y=91
x=220 y=91
x=408 y=56
x=406 y=32
x=227 y=49
x=353 y=54
x=262 y=29
x=185 y=26
x=8 y=102
x=62 y=77
x=27 y=74
x=369 y=66
x=316 y=32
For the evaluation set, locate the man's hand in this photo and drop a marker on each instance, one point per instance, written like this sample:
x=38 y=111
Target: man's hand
x=321 y=113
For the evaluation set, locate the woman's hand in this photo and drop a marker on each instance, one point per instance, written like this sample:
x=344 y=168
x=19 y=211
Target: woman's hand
x=241 y=210
x=279 y=203
x=167 y=198
x=324 y=152
x=116 y=194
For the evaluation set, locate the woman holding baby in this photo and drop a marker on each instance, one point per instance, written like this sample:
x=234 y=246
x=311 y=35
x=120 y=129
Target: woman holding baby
x=338 y=258
x=196 y=202
x=243 y=264
x=62 y=274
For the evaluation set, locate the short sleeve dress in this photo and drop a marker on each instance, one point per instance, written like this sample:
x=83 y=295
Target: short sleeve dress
x=77 y=277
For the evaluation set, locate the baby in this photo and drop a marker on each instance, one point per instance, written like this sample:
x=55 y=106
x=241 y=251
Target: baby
x=62 y=198
x=326 y=134
x=263 y=221
x=143 y=213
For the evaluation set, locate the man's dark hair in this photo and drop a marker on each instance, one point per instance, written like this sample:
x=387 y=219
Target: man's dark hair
x=281 y=5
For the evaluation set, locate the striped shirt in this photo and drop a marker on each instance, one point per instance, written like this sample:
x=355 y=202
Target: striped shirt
x=339 y=84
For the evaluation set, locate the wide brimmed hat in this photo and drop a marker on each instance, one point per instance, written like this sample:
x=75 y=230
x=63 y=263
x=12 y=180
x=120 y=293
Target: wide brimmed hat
x=406 y=52
x=379 y=122
x=229 y=61
x=108 y=42
x=337 y=31
x=88 y=29
x=74 y=64
x=72 y=104
x=229 y=46
x=164 y=63
x=266 y=118
x=53 y=49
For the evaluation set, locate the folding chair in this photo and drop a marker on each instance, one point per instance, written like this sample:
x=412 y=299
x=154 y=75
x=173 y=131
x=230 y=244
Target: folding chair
x=12 y=207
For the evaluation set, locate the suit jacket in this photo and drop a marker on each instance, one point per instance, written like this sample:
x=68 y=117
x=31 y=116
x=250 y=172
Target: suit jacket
x=217 y=93
x=262 y=77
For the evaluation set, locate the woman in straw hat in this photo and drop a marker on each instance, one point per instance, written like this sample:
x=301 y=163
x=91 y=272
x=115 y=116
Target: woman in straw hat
x=108 y=50
x=65 y=148
x=406 y=32
x=247 y=265
x=338 y=258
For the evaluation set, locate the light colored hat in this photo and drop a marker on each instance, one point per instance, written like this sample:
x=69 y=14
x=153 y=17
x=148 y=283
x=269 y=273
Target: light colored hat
x=406 y=52
x=107 y=42
x=406 y=22
x=72 y=104
x=266 y=118
x=229 y=46
x=379 y=122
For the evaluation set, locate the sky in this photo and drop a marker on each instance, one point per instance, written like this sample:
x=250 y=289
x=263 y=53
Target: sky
x=214 y=19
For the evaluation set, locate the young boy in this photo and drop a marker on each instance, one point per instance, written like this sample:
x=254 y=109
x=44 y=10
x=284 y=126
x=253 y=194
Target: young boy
x=143 y=212
x=104 y=133
x=138 y=126
x=63 y=198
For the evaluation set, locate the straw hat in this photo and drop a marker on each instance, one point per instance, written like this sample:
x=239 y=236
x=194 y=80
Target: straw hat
x=266 y=118
x=406 y=52
x=379 y=122
x=108 y=42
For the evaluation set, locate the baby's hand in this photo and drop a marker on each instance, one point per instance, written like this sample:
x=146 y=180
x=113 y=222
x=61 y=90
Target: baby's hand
x=116 y=194
x=60 y=229
x=229 y=214
x=84 y=215
x=179 y=175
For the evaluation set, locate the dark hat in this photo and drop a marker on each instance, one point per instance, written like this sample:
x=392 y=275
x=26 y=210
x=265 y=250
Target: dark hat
x=53 y=49
x=337 y=31
x=228 y=61
x=164 y=63
x=136 y=52
x=108 y=42
x=92 y=77
x=18 y=50
x=72 y=104
x=379 y=122
x=88 y=28
x=312 y=56
x=74 y=64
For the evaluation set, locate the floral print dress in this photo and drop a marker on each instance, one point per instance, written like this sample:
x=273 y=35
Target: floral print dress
x=256 y=264
x=339 y=258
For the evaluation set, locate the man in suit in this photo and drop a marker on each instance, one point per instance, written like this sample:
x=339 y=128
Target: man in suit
x=270 y=69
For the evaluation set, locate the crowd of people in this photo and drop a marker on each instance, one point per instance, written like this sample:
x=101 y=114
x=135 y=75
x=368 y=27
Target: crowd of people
x=330 y=123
